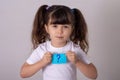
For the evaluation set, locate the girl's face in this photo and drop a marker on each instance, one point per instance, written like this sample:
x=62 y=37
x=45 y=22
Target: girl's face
x=59 y=33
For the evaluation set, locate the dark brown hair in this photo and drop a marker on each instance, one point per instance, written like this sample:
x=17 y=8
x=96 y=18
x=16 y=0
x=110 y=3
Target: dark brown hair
x=59 y=14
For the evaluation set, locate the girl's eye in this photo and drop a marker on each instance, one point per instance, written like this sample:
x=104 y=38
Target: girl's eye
x=66 y=26
x=54 y=26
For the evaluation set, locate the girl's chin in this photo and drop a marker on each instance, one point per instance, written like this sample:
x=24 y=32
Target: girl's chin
x=59 y=41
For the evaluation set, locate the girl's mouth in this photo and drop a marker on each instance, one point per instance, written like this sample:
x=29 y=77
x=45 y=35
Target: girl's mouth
x=60 y=37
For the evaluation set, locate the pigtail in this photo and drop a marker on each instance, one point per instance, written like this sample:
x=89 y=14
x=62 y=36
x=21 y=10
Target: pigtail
x=38 y=32
x=80 y=31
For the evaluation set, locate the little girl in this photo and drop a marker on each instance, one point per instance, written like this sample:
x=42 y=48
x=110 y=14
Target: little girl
x=59 y=30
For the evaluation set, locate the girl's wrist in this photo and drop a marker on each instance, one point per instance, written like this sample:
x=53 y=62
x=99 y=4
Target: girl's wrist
x=42 y=63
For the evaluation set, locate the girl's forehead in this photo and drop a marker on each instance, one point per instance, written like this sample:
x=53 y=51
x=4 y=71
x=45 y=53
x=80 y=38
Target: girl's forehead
x=61 y=24
x=69 y=25
x=57 y=24
x=59 y=21
x=50 y=22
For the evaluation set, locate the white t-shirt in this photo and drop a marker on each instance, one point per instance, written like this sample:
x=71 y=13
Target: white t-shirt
x=58 y=71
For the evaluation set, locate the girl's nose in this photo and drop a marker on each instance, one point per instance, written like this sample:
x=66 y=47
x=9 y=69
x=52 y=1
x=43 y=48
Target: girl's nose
x=60 y=30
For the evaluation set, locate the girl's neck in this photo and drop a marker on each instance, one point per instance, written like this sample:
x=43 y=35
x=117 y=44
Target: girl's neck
x=58 y=45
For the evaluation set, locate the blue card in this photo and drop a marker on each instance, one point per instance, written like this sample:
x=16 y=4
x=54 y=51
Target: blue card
x=59 y=58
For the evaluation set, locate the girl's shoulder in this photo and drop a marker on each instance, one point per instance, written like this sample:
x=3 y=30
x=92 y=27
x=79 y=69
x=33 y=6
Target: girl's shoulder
x=75 y=45
x=43 y=45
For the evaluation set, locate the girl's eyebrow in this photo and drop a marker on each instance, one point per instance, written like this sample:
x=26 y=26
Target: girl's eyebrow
x=62 y=24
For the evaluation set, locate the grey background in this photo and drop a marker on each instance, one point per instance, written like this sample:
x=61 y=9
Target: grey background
x=102 y=17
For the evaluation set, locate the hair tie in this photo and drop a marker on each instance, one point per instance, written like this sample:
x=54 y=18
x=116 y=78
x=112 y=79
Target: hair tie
x=47 y=7
x=72 y=10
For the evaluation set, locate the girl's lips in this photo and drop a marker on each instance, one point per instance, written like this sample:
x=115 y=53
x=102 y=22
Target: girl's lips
x=59 y=37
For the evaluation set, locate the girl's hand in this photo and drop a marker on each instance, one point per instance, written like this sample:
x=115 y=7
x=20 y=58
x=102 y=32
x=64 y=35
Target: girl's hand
x=72 y=57
x=47 y=58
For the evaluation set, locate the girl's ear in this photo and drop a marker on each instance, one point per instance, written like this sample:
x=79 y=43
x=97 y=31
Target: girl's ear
x=46 y=28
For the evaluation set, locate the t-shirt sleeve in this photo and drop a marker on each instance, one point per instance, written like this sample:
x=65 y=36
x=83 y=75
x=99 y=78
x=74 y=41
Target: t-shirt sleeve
x=35 y=56
x=82 y=55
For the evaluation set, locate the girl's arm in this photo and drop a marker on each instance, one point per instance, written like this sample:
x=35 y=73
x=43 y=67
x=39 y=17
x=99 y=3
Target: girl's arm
x=88 y=70
x=28 y=70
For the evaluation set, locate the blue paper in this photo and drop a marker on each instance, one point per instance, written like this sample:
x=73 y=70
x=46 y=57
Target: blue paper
x=59 y=58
